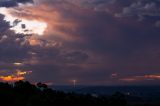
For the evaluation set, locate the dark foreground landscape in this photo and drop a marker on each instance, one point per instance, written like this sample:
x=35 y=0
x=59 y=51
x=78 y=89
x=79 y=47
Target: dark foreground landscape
x=25 y=94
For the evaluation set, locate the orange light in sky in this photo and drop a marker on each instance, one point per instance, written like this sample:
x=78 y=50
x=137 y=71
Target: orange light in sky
x=11 y=78
x=19 y=75
x=34 y=42
x=141 y=78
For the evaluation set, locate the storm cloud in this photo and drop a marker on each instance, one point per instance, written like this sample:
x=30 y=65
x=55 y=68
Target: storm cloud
x=87 y=40
x=13 y=3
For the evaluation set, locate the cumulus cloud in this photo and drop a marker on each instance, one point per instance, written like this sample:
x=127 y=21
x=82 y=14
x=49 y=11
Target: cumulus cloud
x=31 y=50
x=100 y=5
x=9 y=47
x=142 y=10
x=52 y=15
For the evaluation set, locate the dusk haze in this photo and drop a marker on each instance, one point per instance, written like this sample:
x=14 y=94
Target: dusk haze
x=81 y=43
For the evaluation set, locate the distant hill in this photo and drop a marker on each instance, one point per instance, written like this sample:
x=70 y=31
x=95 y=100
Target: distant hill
x=140 y=91
x=23 y=93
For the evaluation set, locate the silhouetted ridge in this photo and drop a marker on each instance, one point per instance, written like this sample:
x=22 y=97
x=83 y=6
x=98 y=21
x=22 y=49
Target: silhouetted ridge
x=23 y=93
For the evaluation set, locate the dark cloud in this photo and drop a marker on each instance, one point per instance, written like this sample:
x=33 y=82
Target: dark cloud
x=115 y=41
x=91 y=44
x=11 y=50
x=7 y=3
x=4 y=25
x=142 y=10
x=12 y=3
x=73 y=57
x=24 y=1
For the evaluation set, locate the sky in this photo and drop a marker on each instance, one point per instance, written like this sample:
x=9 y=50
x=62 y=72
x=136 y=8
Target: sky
x=87 y=42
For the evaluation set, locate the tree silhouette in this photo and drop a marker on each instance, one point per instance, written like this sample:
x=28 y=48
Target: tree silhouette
x=23 y=93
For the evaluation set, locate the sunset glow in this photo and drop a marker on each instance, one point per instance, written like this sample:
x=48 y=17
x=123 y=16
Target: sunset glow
x=23 y=26
x=11 y=78
x=30 y=27
x=19 y=75
x=142 y=78
x=80 y=42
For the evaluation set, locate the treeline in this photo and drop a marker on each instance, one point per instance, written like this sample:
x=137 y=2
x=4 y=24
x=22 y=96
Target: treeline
x=22 y=93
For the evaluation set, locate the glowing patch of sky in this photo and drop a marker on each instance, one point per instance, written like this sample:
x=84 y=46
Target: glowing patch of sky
x=24 y=26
